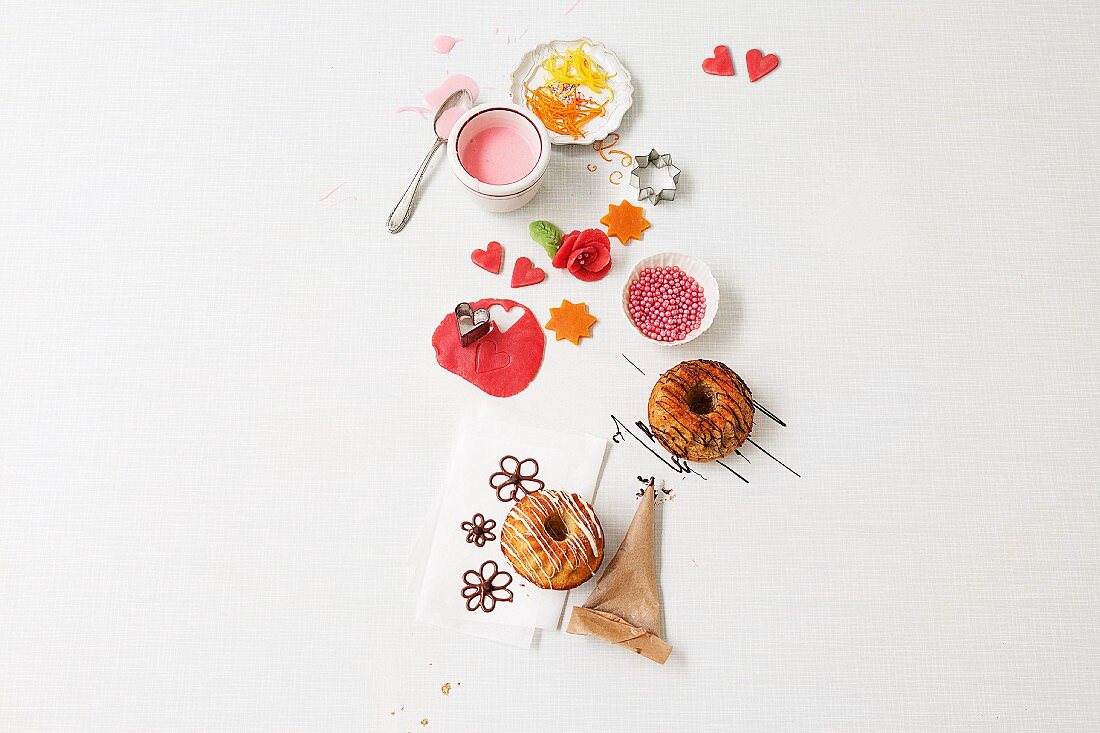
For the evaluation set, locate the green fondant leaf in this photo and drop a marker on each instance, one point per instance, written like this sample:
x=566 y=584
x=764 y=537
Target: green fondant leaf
x=547 y=235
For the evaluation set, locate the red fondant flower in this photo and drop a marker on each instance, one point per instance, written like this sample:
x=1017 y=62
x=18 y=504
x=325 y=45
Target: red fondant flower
x=586 y=254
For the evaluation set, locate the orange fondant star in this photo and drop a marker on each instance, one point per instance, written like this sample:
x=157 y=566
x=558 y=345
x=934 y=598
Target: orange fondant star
x=571 y=321
x=625 y=222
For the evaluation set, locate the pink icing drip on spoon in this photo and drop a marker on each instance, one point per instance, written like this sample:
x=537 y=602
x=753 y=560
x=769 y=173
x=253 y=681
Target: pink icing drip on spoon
x=450 y=85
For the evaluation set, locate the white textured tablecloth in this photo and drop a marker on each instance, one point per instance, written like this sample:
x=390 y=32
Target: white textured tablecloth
x=221 y=422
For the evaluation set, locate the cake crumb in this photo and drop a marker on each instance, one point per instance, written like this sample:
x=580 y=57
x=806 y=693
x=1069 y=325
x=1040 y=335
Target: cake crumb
x=446 y=688
x=424 y=722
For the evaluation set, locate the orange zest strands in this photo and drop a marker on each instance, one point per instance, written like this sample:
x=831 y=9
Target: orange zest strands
x=627 y=160
x=562 y=109
x=614 y=180
x=576 y=67
x=606 y=144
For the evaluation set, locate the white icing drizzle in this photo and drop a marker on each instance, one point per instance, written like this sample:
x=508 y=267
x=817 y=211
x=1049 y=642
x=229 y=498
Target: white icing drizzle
x=530 y=551
x=518 y=559
x=576 y=504
x=577 y=515
x=520 y=555
x=536 y=530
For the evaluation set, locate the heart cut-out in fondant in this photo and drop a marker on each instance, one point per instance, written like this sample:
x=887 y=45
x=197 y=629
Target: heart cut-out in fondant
x=503 y=318
x=489 y=357
x=490 y=259
x=720 y=64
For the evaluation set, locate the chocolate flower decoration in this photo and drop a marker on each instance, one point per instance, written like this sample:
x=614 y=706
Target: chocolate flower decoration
x=485 y=587
x=479 y=530
x=516 y=478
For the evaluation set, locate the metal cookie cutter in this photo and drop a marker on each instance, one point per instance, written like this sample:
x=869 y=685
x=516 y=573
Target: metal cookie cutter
x=472 y=324
x=654 y=160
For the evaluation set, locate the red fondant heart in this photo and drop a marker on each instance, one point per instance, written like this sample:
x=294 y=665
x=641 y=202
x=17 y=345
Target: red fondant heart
x=489 y=357
x=760 y=65
x=721 y=64
x=489 y=259
x=525 y=273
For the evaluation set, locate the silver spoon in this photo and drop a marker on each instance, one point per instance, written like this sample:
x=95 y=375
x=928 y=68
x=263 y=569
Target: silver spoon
x=401 y=213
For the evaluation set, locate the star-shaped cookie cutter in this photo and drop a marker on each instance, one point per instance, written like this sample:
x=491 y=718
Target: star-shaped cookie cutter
x=656 y=160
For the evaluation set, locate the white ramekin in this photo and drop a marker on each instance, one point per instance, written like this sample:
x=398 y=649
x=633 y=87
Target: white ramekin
x=508 y=196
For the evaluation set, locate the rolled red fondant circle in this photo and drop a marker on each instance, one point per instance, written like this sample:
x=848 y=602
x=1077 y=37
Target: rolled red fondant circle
x=500 y=363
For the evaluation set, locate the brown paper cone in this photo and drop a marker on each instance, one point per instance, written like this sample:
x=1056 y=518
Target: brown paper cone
x=625 y=607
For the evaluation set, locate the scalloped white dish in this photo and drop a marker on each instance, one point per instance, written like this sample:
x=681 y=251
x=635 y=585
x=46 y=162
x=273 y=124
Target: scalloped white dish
x=529 y=72
x=693 y=267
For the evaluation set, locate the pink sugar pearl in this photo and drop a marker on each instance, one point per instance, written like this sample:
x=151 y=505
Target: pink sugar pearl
x=666 y=304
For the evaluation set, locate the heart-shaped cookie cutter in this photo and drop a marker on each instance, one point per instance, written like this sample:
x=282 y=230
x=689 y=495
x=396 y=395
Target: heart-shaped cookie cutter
x=654 y=160
x=472 y=324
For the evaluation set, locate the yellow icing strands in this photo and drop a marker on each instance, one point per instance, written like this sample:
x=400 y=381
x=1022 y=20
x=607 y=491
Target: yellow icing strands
x=562 y=108
x=577 y=68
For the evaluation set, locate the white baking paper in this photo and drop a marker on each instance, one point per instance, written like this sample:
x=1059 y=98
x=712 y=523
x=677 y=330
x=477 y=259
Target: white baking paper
x=568 y=461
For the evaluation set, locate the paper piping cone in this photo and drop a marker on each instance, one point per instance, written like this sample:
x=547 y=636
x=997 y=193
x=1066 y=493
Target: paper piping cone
x=625 y=607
